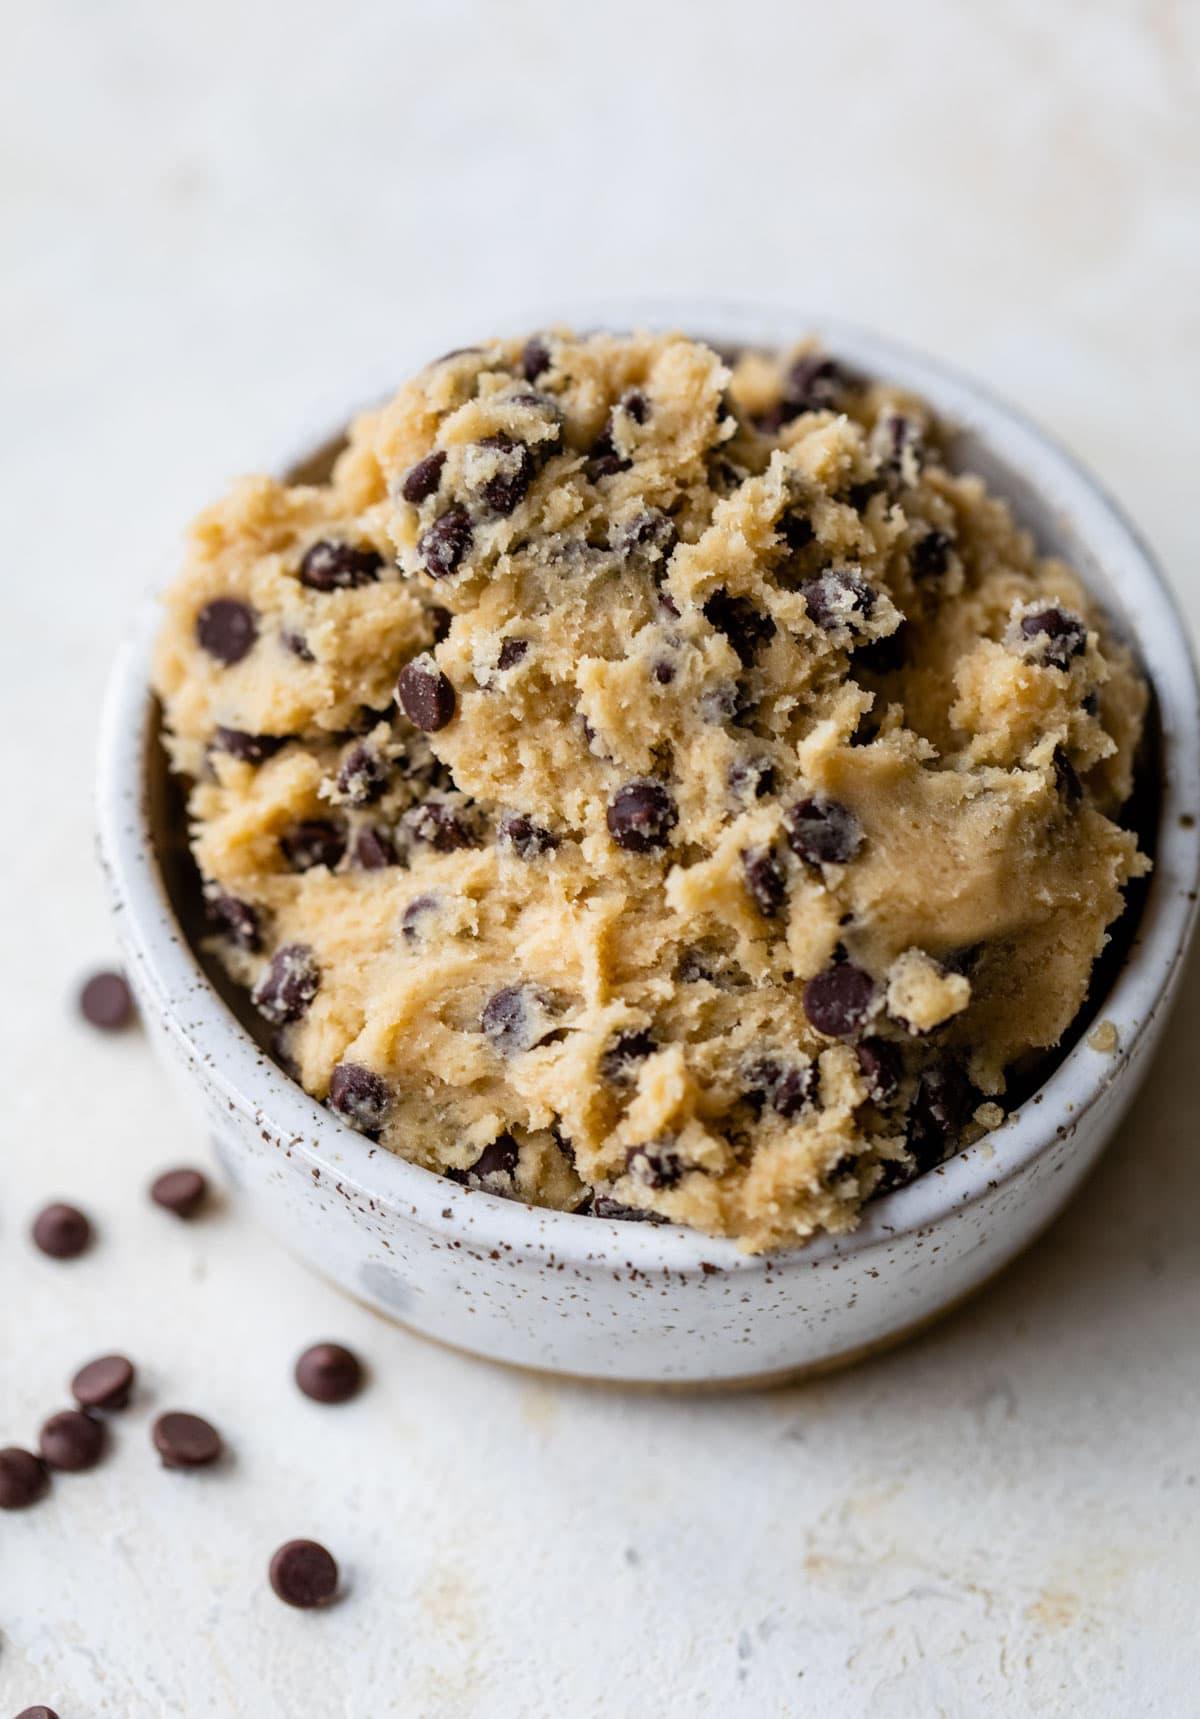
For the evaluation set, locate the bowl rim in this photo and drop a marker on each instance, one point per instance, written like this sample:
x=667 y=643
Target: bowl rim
x=165 y=968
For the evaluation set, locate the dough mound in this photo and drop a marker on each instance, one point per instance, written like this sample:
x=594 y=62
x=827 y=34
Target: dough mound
x=649 y=782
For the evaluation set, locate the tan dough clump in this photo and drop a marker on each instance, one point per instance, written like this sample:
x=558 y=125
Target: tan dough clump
x=650 y=784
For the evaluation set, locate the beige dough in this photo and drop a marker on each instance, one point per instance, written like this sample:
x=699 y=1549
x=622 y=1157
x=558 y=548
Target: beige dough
x=748 y=805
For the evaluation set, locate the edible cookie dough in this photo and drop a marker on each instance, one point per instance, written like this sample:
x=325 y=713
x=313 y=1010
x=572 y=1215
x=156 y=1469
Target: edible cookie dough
x=650 y=782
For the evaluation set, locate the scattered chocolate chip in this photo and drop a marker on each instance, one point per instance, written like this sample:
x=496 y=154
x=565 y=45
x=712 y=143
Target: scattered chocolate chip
x=288 y=986
x=446 y=542
x=238 y=921
x=838 y=1001
x=765 y=880
x=938 y=1111
x=329 y=1373
x=38 y=1712
x=297 y=644
x=22 y=1478
x=311 y=843
x=71 y=1441
x=227 y=629
x=1066 y=778
x=512 y=651
x=624 y=1053
x=823 y=831
x=796 y=529
x=604 y=1206
x=882 y=1066
x=303 y=1573
x=359 y=1096
x=247 y=748
x=422 y=480
x=440 y=826
x=535 y=358
x=181 y=1192
x=641 y=816
x=839 y=597
x=1059 y=634
x=425 y=695
x=419 y=908
x=517 y=1018
x=786 y=1087
x=105 y=1001
x=526 y=839
x=104 y=1383
x=752 y=778
x=61 y=1231
x=931 y=555
x=508 y=486
x=185 y=1441
x=657 y=1165
x=741 y=621
x=330 y=566
x=362 y=775
x=373 y=850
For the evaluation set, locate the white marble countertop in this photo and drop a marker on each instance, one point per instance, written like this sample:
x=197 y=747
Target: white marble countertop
x=216 y=217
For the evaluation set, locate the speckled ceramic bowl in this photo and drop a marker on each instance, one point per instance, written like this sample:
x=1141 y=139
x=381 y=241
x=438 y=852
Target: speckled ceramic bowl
x=635 y=1302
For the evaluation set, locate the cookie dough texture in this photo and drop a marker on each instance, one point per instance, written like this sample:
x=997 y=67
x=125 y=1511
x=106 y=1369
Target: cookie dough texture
x=650 y=782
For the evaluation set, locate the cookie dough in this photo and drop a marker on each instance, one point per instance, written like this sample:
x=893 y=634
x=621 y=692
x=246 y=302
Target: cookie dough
x=650 y=782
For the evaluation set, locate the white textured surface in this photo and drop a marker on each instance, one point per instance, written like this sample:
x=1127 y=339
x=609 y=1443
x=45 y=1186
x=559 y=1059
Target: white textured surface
x=213 y=216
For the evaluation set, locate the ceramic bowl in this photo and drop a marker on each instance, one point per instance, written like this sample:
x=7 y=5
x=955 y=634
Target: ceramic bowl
x=636 y=1302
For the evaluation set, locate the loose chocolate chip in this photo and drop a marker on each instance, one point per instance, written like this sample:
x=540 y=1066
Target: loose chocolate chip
x=421 y=481
x=508 y=486
x=287 y=988
x=1066 y=778
x=823 y=831
x=362 y=775
x=815 y=384
x=185 y=1441
x=303 y=1573
x=71 y=1441
x=360 y=1096
x=796 y=529
x=1059 y=634
x=38 y=1712
x=440 y=826
x=535 y=358
x=181 y=1192
x=446 y=542
x=419 y=908
x=247 y=748
x=512 y=651
x=641 y=816
x=104 y=1383
x=331 y=566
x=765 y=880
x=657 y=1165
x=786 y=1087
x=373 y=850
x=743 y=624
x=227 y=629
x=517 y=1018
x=937 y=1113
x=752 y=778
x=425 y=695
x=840 y=597
x=624 y=1053
x=526 y=839
x=882 y=1066
x=604 y=1206
x=62 y=1231
x=105 y=1001
x=931 y=555
x=237 y=920
x=297 y=644
x=314 y=842
x=22 y=1478
x=838 y=1001
x=329 y=1373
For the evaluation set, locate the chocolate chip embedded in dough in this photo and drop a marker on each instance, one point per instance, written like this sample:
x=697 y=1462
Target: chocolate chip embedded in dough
x=512 y=651
x=823 y=831
x=227 y=628
x=839 y=597
x=656 y=1165
x=786 y=1087
x=440 y=826
x=286 y=990
x=446 y=543
x=517 y=1018
x=744 y=624
x=331 y=566
x=937 y=1113
x=237 y=920
x=508 y=486
x=313 y=842
x=495 y=1167
x=765 y=880
x=246 y=748
x=839 y=1001
x=882 y=1066
x=796 y=529
x=373 y=849
x=604 y=1206
x=425 y=695
x=752 y=778
x=641 y=816
x=362 y=775
x=525 y=838
x=931 y=555
x=627 y=1050
x=816 y=383
x=422 y=480
x=359 y=1096
x=417 y=910
x=1058 y=635
x=535 y=358
x=1066 y=778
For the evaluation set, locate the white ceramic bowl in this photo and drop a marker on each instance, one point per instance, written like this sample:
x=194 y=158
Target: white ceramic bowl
x=635 y=1302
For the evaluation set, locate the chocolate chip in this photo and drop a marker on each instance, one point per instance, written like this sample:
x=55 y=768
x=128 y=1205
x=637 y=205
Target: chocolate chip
x=1066 y=778
x=815 y=383
x=440 y=620
x=185 y=1441
x=838 y=1001
x=422 y=480
x=287 y=988
x=512 y=651
x=931 y=555
x=446 y=542
x=360 y=1096
x=765 y=880
x=535 y=358
x=237 y=920
x=71 y=1441
x=425 y=695
x=823 y=831
x=526 y=839
x=38 y=1712
x=332 y=566
x=517 y=1018
x=882 y=1065
x=650 y=536
x=227 y=629
x=627 y=1049
x=840 y=597
x=796 y=529
x=937 y=1113
x=297 y=644
x=603 y=458
x=499 y=1157
x=663 y=672
x=743 y=624
x=786 y=1087
x=641 y=816
x=247 y=748
x=362 y=775
x=657 y=1165
x=329 y=1373
x=508 y=486
x=1059 y=634
x=752 y=778
x=373 y=850
x=22 y=1478
x=62 y=1231
x=419 y=908
x=313 y=842
x=105 y=1001
x=303 y=1573
x=440 y=826
x=604 y=1206
x=104 y=1383
x=181 y=1192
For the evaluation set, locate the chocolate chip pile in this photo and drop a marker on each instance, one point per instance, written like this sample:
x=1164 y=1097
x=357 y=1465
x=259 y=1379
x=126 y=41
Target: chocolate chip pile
x=651 y=782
